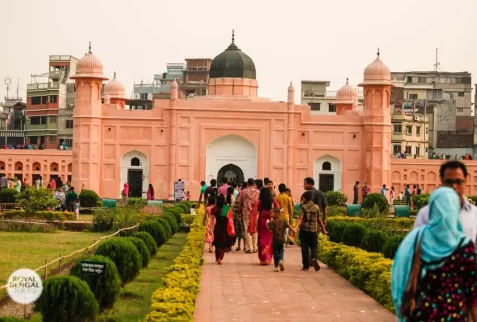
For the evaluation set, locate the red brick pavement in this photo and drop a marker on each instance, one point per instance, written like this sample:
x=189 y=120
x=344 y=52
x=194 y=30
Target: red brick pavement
x=242 y=290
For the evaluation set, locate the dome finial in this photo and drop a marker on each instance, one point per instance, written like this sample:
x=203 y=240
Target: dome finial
x=233 y=36
x=114 y=74
x=89 y=48
x=378 y=52
x=347 y=79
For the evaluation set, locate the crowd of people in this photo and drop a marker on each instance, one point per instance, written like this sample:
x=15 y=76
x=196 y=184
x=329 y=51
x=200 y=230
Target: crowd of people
x=258 y=218
x=434 y=274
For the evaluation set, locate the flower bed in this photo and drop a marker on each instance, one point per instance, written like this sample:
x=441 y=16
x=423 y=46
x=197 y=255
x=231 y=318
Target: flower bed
x=370 y=272
x=175 y=302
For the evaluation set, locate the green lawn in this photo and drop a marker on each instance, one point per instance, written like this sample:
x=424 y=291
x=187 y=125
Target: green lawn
x=135 y=300
x=29 y=250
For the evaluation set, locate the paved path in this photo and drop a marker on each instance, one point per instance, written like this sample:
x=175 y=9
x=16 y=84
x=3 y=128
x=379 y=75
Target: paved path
x=242 y=290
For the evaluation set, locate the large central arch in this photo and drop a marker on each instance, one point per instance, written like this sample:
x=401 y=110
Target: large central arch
x=135 y=171
x=229 y=151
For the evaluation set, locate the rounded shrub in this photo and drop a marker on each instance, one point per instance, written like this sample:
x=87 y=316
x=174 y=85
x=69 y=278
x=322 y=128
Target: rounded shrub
x=142 y=249
x=391 y=246
x=376 y=198
x=336 y=229
x=106 y=288
x=165 y=225
x=124 y=254
x=156 y=230
x=420 y=201
x=374 y=240
x=172 y=222
x=88 y=198
x=335 y=198
x=66 y=298
x=148 y=241
x=8 y=195
x=177 y=212
x=183 y=207
x=353 y=234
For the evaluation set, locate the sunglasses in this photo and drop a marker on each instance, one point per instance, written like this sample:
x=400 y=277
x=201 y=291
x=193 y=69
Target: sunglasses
x=451 y=182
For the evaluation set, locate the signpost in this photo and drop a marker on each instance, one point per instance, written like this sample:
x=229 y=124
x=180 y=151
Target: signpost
x=179 y=190
x=93 y=268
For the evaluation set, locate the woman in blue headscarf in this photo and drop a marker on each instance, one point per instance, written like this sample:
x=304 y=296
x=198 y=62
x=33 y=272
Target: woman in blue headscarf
x=434 y=271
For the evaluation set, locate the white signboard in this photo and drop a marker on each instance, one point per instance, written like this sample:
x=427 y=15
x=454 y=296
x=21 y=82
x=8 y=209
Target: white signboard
x=24 y=286
x=179 y=190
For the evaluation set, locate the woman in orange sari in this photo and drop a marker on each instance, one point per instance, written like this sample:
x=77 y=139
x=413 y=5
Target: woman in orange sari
x=265 y=205
x=210 y=220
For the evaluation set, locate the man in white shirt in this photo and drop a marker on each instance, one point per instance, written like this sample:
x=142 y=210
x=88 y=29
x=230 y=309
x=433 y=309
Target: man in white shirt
x=453 y=174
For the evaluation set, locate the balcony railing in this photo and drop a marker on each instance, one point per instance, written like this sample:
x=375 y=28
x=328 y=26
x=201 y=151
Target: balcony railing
x=60 y=57
x=54 y=74
x=40 y=86
x=12 y=133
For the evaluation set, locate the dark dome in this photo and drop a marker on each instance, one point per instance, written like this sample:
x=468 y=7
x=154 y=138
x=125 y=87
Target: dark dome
x=232 y=63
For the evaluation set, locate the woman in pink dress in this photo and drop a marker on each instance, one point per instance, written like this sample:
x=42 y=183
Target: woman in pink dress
x=265 y=205
x=150 y=192
x=209 y=220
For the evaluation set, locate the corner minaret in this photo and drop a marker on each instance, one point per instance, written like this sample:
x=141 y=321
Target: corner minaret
x=116 y=92
x=345 y=98
x=377 y=124
x=87 y=122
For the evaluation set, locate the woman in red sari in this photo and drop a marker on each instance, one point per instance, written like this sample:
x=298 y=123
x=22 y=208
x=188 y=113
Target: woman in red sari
x=209 y=219
x=221 y=237
x=265 y=237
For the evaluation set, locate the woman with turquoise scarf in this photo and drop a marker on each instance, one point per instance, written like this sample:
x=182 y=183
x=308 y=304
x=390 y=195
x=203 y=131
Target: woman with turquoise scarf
x=434 y=272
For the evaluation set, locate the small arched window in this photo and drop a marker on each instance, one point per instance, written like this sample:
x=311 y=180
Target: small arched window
x=326 y=166
x=135 y=162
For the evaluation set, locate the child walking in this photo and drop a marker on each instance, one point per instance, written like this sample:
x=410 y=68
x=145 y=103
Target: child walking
x=277 y=226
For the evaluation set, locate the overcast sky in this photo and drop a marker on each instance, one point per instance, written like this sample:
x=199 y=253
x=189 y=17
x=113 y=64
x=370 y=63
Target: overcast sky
x=288 y=40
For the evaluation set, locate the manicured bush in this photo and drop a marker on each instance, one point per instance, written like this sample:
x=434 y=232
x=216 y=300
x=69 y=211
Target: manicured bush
x=370 y=272
x=66 y=298
x=420 y=201
x=374 y=240
x=46 y=215
x=335 y=230
x=103 y=219
x=34 y=200
x=388 y=225
x=353 y=234
x=89 y=198
x=334 y=211
x=124 y=254
x=175 y=302
x=376 y=198
x=177 y=212
x=8 y=195
x=106 y=288
x=142 y=249
x=164 y=225
x=335 y=198
x=184 y=207
x=171 y=220
x=187 y=219
x=156 y=230
x=148 y=241
x=137 y=203
x=391 y=246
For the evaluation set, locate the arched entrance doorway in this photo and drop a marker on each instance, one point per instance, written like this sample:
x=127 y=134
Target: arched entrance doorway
x=231 y=156
x=135 y=172
x=232 y=173
x=327 y=170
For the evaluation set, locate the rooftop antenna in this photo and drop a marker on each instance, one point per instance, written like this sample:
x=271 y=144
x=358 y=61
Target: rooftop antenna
x=437 y=64
x=233 y=36
x=18 y=88
x=8 y=82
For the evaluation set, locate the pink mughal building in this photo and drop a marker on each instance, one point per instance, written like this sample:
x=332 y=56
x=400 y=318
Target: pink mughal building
x=230 y=133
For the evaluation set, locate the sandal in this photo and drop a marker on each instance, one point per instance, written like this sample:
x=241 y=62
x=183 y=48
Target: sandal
x=237 y=249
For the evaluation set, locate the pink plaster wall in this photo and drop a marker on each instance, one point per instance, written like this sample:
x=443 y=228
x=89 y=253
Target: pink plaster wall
x=26 y=163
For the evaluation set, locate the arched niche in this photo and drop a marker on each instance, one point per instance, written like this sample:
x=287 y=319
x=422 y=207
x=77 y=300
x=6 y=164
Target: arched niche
x=36 y=167
x=18 y=166
x=70 y=167
x=327 y=173
x=2 y=165
x=54 y=167
x=137 y=176
x=231 y=150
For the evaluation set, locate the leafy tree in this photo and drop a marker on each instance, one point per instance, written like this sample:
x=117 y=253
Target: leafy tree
x=33 y=200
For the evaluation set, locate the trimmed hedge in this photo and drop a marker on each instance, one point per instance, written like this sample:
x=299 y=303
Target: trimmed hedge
x=142 y=249
x=376 y=198
x=175 y=302
x=106 y=288
x=165 y=225
x=370 y=272
x=177 y=212
x=353 y=234
x=389 y=225
x=156 y=230
x=171 y=220
x=391 y=246
x=46 y=215
x=148 y=240
x=335 y=198
x=373 y=240
x=66 y=298
x=9 y=195
x=89 y=198
x=124 y=254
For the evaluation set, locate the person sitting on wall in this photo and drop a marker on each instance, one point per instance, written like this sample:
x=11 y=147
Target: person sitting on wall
x=453 y=174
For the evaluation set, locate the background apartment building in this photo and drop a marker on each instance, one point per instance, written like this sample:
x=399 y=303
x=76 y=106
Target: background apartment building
x=321 y=101
x=50 y=103
x=12 y=117
x=439 y=101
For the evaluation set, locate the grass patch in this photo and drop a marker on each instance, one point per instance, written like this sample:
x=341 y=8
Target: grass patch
x=134 y=302
x=29 y=250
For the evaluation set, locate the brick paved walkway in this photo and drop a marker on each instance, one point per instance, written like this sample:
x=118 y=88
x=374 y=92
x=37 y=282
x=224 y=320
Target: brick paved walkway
x=242 y=290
